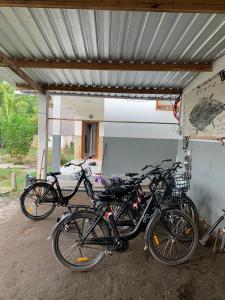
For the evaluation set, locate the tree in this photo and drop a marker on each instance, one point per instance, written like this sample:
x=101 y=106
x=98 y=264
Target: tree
x=17 y=133
x=12 y=102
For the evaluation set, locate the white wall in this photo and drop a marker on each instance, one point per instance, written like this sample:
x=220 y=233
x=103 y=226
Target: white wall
x=137 y=110
x=208 y=164
x=218 y=66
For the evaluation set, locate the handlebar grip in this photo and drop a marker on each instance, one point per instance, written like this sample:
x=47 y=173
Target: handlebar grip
x=67 y=165
x=167 y=160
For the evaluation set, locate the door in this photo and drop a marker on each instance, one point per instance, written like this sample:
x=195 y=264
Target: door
x=90 y=138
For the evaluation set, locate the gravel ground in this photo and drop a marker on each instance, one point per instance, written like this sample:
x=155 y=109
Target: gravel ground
x=30 y=271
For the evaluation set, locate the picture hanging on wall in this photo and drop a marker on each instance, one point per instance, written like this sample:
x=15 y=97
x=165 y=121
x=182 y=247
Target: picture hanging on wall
x=204 y=110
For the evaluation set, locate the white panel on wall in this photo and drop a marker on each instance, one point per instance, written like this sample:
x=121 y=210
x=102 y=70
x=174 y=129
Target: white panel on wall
x=138 y=111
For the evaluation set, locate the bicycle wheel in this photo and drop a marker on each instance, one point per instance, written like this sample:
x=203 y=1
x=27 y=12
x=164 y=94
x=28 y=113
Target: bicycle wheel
x=183 y=203
x=38 y=201
x=172 y=237
x=66 y=242
x=188 y=206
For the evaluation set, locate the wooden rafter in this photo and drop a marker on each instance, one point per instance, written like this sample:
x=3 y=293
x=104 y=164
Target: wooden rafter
x=122 y=66
x=97 y=89
x=11 y=65
x=201 y=6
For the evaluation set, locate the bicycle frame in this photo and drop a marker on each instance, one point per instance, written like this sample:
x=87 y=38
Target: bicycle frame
x=151 y=206
x=64 y=200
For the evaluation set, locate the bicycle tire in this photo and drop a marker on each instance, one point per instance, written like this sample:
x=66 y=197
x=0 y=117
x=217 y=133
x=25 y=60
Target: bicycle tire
x=195 y=216
x=55 y=242
x=25 y=194
x=153 y=248
x=176 y=202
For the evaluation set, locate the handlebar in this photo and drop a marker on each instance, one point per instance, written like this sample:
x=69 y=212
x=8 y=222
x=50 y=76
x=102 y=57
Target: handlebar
x=176 y=165
x=156 y=166
x=80 y=164
x=159 y=171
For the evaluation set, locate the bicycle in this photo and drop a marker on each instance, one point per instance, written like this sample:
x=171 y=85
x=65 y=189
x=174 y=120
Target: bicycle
x=81 y=239
x=175 y=187
x=39 y=200
x=172 y=186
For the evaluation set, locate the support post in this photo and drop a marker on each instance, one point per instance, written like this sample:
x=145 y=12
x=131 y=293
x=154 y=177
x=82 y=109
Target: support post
x=56 y=134
x=42 y=136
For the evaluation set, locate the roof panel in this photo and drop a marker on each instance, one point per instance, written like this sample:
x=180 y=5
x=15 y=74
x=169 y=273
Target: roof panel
x=7 y=75
x=107 y=35
x=110 y=35
x=108 y=78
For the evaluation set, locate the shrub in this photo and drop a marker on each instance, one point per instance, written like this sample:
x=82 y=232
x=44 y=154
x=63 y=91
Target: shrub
x=17 y=133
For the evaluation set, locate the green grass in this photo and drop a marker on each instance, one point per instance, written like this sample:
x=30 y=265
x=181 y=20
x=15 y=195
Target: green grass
x=5 y=178
x=31 y=158
x=31 y=161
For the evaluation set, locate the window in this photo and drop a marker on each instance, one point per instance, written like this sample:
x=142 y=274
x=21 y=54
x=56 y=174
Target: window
x=90 y=138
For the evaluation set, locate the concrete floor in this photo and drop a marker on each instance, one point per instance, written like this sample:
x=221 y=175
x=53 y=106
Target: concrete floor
x=30 y=271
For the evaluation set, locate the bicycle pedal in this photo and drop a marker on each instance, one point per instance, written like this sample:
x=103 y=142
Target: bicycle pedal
x=108 y=252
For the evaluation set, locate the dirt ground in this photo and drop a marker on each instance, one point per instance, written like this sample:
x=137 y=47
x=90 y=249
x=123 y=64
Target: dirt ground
x=30 y=271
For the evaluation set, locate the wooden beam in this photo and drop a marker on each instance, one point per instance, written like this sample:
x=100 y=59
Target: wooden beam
x=10 y=64
x=121 y=66
x=97 y=89
x=194 y=6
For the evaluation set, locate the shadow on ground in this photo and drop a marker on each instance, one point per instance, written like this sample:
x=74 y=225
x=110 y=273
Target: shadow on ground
x=30 y=271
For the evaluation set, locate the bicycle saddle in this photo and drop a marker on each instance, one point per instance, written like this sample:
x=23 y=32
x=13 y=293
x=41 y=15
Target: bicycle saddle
x=53 y=173
x=104 y=198
x=131 y=174
x=117 y=190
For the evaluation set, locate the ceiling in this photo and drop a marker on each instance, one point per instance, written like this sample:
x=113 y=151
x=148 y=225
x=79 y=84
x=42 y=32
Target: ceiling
x=88 y=35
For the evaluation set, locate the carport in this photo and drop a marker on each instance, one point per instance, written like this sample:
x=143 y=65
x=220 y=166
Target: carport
x=142 y=50
x=131 y=49
x=128 y=49
x=79 y=52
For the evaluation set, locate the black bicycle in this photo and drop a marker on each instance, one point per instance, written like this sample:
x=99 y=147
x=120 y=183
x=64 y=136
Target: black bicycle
x=170 y=186
x=174 y=188
x=82 y=238
x=39 y=200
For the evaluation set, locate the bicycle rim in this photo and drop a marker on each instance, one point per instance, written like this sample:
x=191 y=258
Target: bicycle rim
x=68 y=249
x=36 y=208
x=173 y=238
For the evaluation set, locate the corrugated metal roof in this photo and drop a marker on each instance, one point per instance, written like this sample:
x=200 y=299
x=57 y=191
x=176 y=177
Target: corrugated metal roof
x=110 y=78
x=109 y=36
x=8 y=75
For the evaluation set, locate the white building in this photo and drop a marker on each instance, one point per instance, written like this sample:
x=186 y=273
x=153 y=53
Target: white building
x=124 y=133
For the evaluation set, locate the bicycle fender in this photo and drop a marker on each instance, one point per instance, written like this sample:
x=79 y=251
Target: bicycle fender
x=44 y=183
x=155 y=214
x=64 y=217
x=67 y=216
